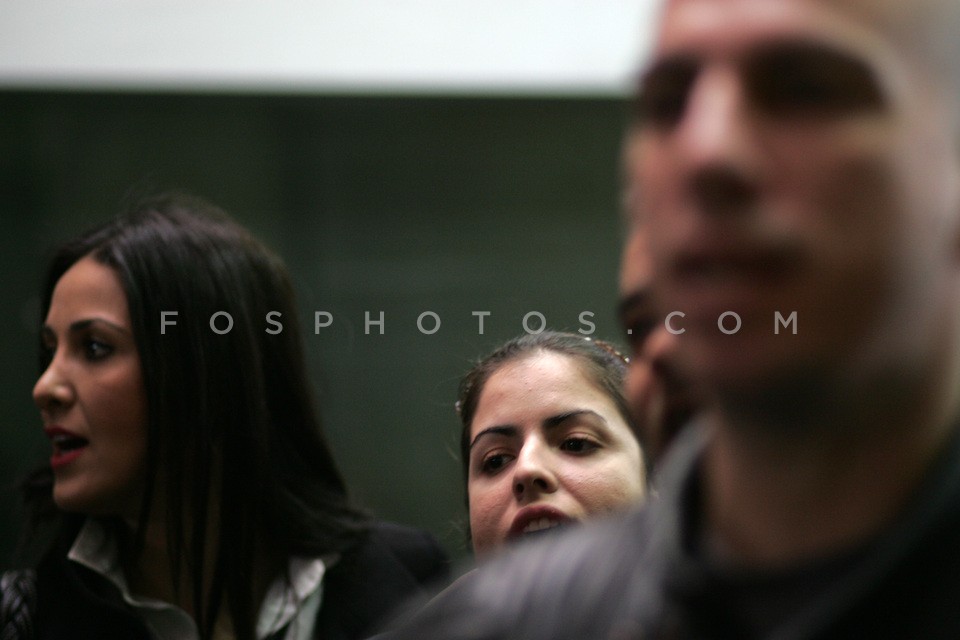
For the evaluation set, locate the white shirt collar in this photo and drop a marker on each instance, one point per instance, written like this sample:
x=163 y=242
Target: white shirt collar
x=296 y=604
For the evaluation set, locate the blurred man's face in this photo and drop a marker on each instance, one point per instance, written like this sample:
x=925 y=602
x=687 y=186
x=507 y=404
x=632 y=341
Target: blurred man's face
x=795 y=156
x=660 y=401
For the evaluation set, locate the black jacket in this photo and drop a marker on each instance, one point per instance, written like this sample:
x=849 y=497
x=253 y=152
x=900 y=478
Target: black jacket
x=360 y=591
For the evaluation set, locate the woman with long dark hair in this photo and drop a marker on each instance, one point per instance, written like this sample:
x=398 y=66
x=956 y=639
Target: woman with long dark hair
x=190 y=484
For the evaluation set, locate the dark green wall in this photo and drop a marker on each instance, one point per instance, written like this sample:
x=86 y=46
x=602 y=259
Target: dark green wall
x=392 y=204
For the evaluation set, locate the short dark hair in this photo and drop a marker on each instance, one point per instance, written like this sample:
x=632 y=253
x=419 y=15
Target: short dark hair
x=232 y=426
x=600 y=361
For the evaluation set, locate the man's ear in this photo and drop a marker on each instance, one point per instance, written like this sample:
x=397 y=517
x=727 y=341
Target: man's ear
x=955 y=223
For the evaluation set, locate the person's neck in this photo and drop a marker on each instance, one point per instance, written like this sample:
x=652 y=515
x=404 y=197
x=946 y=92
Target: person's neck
x=774 y=497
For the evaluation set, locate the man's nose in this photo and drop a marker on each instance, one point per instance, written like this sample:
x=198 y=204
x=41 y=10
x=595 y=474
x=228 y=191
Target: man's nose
x=717 y=142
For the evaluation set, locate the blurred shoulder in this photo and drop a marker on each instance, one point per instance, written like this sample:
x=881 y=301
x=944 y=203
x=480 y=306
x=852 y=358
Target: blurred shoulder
x=371 y=581
x=417 y=550
x=561 y=586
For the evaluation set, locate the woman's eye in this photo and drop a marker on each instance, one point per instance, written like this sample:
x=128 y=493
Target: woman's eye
x=579 y=445
x=46 y=356
x=494 y=463
x=96 y=350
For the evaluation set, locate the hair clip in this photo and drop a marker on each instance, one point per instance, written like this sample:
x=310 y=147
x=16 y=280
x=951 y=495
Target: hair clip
x=609 y=348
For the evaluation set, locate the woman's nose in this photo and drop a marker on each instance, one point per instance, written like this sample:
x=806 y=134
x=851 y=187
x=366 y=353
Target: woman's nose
x=53 y=389
x=533 y=472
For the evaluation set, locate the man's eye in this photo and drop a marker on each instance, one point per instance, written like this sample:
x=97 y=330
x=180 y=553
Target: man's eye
x=661 y=108
x=636 y=330
x=664 y=93
x=96 y=350
x=812 y=82
x=579 y=445
x=800 y=91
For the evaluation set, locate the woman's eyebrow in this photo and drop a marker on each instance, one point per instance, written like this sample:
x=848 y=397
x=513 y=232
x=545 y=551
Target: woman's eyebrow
x=500 y=430
x=557 y=420
x=548 y=423
x=80 y=325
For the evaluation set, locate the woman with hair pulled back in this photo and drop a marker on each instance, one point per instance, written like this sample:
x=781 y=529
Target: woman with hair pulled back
x=547 y=437
x=190 y=483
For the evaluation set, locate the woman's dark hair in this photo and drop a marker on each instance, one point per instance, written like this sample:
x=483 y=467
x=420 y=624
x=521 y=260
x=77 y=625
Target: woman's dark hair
x=232 y=428
x=599 y=361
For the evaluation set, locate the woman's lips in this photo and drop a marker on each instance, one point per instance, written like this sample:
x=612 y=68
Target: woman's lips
x=67 y=446
x=536 y=518
x=58 y=460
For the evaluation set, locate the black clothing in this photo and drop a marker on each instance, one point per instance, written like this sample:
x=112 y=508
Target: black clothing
x=645 y=576
x=360 y=590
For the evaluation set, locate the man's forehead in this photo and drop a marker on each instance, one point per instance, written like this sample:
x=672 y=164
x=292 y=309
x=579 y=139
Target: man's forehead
x=925 y=26
x=902 y=43
x=726 y=25
x=890 y=12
